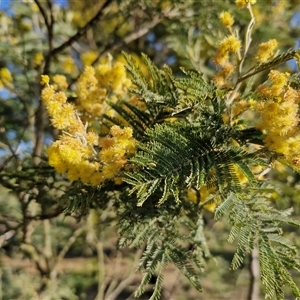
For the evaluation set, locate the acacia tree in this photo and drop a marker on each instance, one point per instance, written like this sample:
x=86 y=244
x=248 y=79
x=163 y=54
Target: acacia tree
x=150 y=149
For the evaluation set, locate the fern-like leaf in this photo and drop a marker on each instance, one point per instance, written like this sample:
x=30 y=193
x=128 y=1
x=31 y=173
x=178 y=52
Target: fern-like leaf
x=181 y=155
x=159 y=280
x=181 y=260
x=253 y=224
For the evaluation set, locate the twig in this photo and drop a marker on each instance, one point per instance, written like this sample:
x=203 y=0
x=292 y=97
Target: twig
x=247 y=45
x=248 y=38
x=82 y=30
x=47 y=248
x=112 y=281
x=101 y=269
x=50 y=28
x=40 y=122
x=67 y=246
x=130 y=38
x=290 y=55
x=34 y=254
x=49 y=215
x=254 y=270
x=43 y=12
x=129 y=278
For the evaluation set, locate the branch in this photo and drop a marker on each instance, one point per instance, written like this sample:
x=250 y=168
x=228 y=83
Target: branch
x=131 y=37
x=101 y=269
x=128 y=39
x=49 y=25
x=289 y=55
x=40 y=119
x=33 y=253
x=253 y=293
x=50 y=29
x=47 y=216
x=248 y=38
x=127 y=280
x=247 y=45
x=68 y=245
x=83 y=30
x=43 y=12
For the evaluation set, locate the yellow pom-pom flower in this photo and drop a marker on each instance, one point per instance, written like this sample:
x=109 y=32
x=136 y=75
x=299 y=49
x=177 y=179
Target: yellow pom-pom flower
x=38 y=59
x=60 y=81
x=243 y=3
x=266 y=51
x=226 y=19
x=230 y=44
x=88 y=57
x=79 y=152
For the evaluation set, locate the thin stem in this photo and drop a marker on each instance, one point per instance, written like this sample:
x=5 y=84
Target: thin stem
x=43 y=12
x=128 y=39
x=247 y=43
x=254 y=270
x=101 y=270
x=82 y=30
x=40 y=120
x=289 y=55
x=112 y=45
x=129 y=278
x=248 y=38
x=0 y=284
x=68 y=245
x=65 y=249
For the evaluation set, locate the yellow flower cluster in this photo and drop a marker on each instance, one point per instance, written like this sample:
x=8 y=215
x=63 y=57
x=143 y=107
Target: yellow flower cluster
x=6 y=78
x=239 y=107
x=203 y=194
x=229 y=45
x=243 y=3
x=240 y=175
x=88 y=57
x=69 y=66
x=275 y=86
x=226 y=19
x=38 y=59
x=60 y=82
x=114 y=149
x=62 y=114
x=279 y=118
x=266 y=51
x=79 y=152
x=199 y=197
x=234 y=115
x=97 y=85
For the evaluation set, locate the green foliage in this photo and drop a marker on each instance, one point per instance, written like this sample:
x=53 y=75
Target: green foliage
x=183 y=144
x=168 y=235
x=188 y=152
x=255 y=221
x=183 y=154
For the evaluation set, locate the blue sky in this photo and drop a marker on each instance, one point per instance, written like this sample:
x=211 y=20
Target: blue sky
x=4 y=4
